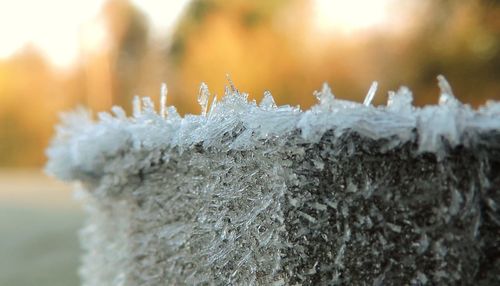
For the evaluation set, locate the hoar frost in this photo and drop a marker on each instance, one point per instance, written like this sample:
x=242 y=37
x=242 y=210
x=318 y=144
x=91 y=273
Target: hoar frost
x=259 y=194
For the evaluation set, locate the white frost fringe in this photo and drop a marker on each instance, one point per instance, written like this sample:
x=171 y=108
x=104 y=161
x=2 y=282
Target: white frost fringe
x=82 y=146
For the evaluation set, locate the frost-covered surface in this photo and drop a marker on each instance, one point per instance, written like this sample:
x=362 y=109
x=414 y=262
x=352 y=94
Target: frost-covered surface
x=247 y=193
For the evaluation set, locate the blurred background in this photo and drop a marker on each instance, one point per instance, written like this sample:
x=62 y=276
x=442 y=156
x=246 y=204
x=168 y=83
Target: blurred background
x=56 y=55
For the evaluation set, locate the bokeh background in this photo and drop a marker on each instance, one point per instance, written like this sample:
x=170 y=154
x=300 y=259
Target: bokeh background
x=56 y=55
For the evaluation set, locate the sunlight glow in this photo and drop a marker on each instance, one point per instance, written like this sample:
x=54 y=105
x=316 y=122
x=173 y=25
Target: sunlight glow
x=349 y=16
x=52 y=26
x=60 y=29
x=94 y=36
x=162 y=14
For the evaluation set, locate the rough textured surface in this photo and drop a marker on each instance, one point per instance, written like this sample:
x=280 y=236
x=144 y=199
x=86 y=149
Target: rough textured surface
x=244 y=194
x=393 y=218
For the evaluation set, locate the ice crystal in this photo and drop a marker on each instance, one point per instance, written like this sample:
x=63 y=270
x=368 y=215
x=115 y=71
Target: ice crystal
x=259 y=194
x=447 y=96
x=203 y=98
x=371 y=94
x=325 y=96
x=267 y=101
x=137 y=106
x=163 y=100
x=401 y=102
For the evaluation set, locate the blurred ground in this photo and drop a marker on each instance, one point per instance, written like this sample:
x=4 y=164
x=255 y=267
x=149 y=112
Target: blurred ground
x=39 y=224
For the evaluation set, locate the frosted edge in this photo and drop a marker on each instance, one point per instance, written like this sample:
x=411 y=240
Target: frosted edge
x=82 y=147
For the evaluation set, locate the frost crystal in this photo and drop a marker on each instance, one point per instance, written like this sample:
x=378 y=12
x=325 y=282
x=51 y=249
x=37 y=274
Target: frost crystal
x=245 y=194
x=163 y=100
x=137 y=106
x=267 y=101
x=371 y=94
x=325 y=96
x=447 y=96
x=203 y=97
x=401 y=101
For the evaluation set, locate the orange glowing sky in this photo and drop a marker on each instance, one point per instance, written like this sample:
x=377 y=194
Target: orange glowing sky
x=60 y=29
